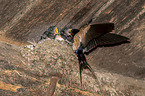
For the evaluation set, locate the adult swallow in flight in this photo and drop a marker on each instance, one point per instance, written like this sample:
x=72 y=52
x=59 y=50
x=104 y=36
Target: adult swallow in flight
x=92 y=36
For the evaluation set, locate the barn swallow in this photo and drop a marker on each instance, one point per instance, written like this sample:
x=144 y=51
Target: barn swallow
x=68 y=34
x=51 y=33
x=91 y=36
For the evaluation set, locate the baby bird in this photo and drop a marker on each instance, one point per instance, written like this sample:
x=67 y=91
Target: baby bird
x=51 y=33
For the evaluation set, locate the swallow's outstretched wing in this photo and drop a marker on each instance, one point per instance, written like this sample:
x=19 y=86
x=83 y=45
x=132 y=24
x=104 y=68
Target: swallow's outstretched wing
x=89 y=32
x=95 y=31
x=106 y=40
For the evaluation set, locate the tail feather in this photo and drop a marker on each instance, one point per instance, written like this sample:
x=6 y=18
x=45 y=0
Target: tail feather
x=84 y=65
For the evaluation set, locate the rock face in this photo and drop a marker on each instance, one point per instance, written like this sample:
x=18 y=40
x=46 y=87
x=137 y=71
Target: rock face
x=28 y=71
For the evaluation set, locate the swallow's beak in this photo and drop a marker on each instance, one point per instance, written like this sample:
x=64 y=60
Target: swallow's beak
x=70 y=31
x=56 y=30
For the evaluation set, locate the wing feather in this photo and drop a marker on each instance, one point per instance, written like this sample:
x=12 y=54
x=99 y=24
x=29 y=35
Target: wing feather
x=96 y=31
x=108 y=39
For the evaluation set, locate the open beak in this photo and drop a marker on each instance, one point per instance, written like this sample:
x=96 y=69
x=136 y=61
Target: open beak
x=56 y=30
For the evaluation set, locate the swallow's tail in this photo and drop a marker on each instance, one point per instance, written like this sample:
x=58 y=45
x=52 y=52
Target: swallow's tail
x=84 y=65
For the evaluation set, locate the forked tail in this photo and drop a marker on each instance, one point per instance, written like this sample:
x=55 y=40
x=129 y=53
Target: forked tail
x=84 y=65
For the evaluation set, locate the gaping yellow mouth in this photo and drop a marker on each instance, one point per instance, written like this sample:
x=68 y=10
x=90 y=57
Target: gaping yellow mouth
x=56 y=30
x=69 y=31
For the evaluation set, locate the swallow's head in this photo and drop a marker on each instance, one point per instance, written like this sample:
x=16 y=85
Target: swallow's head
x=53 y=30
x=70 y=32
x=73 y=31
x=50 y=33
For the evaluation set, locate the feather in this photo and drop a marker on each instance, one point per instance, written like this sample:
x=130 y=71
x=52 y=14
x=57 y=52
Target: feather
x=106 y=40
x=96 y=31
x=84 y=65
